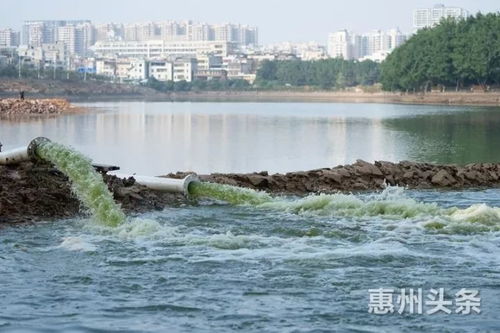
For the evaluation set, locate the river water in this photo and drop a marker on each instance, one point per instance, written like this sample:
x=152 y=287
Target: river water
x=154 y=138
x=292 y=265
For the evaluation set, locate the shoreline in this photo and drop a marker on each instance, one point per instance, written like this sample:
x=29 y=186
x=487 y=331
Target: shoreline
x=77 y=91
x=35 y=192
x=491 y=99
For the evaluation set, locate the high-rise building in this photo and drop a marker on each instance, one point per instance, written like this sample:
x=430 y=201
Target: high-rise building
x=189 y=31
x=348 y=45
x=340 y=45
x=9 y=38
x=141 y=31
x=429 y=17
x=78 y=38
x=36 y=33
x=109 y=32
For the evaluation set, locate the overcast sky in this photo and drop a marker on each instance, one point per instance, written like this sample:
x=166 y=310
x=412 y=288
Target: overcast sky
x=278 y=20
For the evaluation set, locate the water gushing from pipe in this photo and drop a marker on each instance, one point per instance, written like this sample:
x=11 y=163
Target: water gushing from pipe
x=87 y=184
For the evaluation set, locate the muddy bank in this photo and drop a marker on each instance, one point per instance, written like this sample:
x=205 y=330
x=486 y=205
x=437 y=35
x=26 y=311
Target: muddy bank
x=362 y=176
x=12 y=107
x=36 y=192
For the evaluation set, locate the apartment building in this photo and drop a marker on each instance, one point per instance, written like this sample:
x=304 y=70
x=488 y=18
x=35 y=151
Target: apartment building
x=78 y=38
x=340 y=45
x=242 y=35
x=429 y=17
x=38 y=32
x=9 y=38
x=378 y=43
x=162 y=70
x=184 y=69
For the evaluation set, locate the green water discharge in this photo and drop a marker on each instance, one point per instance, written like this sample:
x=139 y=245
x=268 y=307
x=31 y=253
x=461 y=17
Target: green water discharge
x=391 y=204
x=87 y=184
x=231 y=194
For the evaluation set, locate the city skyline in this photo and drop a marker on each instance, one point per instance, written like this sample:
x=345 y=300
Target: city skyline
x=333 y=16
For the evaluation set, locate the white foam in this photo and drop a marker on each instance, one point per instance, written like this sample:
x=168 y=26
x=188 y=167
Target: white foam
x=77 y=244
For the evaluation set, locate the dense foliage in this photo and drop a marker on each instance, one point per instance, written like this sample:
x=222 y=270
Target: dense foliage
x=329 y=73
x=455 y=53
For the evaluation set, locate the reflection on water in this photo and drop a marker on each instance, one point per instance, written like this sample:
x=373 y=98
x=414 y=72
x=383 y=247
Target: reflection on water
x=155 y=138
x=453 y=137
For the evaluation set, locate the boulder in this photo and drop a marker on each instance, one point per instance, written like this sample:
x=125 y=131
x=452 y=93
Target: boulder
x=443 y=178
x=365 y=168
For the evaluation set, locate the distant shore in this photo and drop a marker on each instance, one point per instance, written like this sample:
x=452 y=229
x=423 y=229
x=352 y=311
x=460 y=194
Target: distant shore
x=447 y=98
x=105 y=91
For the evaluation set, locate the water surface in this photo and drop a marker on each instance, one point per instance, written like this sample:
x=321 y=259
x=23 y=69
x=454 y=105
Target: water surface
x=157 y=137
x=222 y=268
x=290 y=265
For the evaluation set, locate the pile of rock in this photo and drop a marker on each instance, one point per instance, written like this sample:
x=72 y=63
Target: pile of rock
x=367 y=176
x=15 y=107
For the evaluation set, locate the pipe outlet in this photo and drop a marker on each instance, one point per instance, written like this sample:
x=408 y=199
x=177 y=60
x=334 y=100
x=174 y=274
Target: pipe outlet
x=22 y=154
x=170 y=185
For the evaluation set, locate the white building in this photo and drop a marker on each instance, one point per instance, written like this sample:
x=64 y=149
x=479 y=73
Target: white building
x=106 y=67
x=162 y=49
x=207 y=62
x=47 y=55
x=184 y=69
x=429 y=17
x=340 y=45
x=109 y=32
x=9 y=38
x=38 y=32
x=376 y=44
x=139 y=70
x=162 y=70
x=241 y=35
x=78 y=38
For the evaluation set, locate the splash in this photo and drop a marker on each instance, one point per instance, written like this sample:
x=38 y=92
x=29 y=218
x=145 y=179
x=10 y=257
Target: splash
x=77 y=244
x=87 y=184
x=231 y=194
x=390 y=204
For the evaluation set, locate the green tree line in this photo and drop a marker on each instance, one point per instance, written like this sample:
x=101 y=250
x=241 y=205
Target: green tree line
x=325 y=74
x=455 y=53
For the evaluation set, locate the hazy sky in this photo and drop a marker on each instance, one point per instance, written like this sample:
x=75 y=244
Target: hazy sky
x=278 y=20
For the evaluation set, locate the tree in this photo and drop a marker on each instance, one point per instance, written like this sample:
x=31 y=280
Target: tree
x=454 y=53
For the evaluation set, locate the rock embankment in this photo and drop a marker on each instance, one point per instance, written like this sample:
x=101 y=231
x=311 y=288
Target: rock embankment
x=367 y=176
x=37 y=191
x=32 y=192
x=24 y=107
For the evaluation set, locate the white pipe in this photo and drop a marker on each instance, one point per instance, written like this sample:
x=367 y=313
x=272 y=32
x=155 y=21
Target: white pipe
x=163 y=184
x=22 y=154
x=14 y=156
